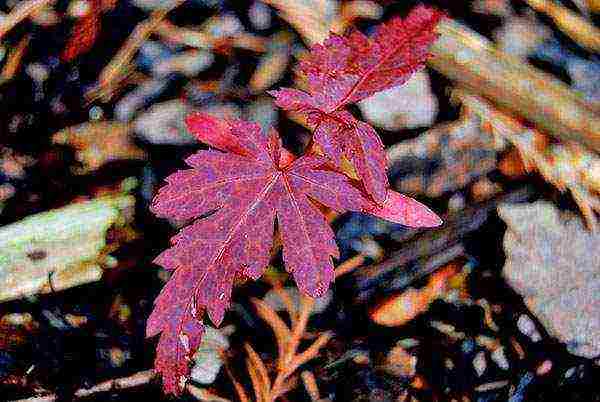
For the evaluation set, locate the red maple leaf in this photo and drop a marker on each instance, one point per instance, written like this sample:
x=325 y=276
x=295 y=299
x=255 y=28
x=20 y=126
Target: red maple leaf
x=344 y=70
x=237 y=196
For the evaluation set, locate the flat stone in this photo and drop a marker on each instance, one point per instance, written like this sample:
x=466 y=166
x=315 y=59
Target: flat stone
x=552 y=261
x=410 y=105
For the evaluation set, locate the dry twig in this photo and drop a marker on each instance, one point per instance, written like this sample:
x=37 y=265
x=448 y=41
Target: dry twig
x=287 y=301
x=203 y=40
x=133 y=381
x=119 y=67
x=288 y=340
x=136 y=380
x=471 y=60
x=291 y=358
x=14 y=59
x=239 y=389
x=310 y=384
x=280 y=329
x=567 y=165
x=576 y=27
x=22 y=11
x=350 y=265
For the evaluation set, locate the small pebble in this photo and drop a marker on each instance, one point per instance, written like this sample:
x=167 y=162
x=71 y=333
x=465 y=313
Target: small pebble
x=38 y=72
x=361 y=358
x=467 y=346
x=164 y=123
x=118 y=356
x=401 y=363
x=491 y=386
x=527 y=327
x=408 y=343
x=223 y=26
x=544 y=368
x=410 y=105
x=519 y=394
x=78 y=8
x=259 y=15
x=456 y=202
x=479 y=363
x=500 y=359
x=76 y=321
x=96 y=113
x=17 y=319
x=141 y=96
x=207 y=359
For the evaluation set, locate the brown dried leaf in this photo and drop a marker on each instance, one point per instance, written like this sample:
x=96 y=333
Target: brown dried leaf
x=403 y=307
x=98 y=143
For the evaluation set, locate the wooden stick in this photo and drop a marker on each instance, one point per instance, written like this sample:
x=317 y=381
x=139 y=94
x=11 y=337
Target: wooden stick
x=13 y=63
x=204 y=395
x=575 y=26
x=135 y=380
x=23 y=10
x=567 y=166
x=131 y=46
x=117 y=69
x=184 y=36
x=471 y=60
x=203 y=40
x=434 y=247
x=349 y=265
x=310 y=384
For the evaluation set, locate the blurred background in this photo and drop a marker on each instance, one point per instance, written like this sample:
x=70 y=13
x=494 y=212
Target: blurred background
x=500 y=135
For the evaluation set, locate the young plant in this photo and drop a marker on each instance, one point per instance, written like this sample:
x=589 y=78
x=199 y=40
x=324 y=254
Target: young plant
x=238 y=190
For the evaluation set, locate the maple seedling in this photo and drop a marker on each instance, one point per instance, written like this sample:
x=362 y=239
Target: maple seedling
x=237 y=190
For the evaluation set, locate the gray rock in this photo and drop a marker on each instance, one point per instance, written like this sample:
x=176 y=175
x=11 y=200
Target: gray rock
x=164 y=123
x=207 y=359
x=552 y=260
x=410 y=105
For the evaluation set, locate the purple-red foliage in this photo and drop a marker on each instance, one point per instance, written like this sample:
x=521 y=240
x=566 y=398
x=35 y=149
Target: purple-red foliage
x=238 y=190
x=345 y=70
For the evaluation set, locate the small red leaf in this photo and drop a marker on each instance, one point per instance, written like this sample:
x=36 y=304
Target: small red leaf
x=405 y=211
x=223 y=135
x=342 y=133
x=354 y=67
x=243 y=193
x=214 y=132
x=344 y=70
